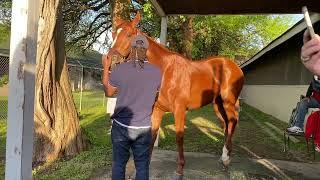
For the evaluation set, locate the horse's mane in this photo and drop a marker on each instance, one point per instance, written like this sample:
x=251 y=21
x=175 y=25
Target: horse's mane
x=175 y=57
x=171 y=54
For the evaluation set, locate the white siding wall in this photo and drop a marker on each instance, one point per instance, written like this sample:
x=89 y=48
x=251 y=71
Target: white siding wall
x=276 y=100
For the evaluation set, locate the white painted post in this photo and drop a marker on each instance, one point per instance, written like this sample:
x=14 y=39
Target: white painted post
x=79 y=82
x=163 y=33
x=81 y=89
x=103 y=99
x=163 y=40
x=23 y=50
x=81 y=86
x=111 y=105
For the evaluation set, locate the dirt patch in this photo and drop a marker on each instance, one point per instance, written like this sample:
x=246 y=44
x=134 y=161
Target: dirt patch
x=4 y=91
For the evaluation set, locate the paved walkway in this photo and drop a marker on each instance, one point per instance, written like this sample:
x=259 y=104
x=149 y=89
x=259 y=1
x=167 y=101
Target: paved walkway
x=202 y=166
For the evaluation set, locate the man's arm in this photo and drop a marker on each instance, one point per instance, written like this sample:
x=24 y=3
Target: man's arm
x=109 y=90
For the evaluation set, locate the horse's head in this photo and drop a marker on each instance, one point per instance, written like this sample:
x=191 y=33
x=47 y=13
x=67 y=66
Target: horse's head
x=122 y=35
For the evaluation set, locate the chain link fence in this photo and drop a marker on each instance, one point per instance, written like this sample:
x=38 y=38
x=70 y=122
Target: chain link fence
x=85 y=80
x=86 y=87
x=4 y=79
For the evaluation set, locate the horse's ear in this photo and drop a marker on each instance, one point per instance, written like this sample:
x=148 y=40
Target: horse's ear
x=136 y=20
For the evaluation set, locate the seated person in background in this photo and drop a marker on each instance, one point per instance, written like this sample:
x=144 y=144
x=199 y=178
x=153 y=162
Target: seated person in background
x=312 y=100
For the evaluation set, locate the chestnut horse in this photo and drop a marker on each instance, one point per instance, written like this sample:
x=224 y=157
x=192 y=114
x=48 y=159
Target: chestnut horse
x=187 y=85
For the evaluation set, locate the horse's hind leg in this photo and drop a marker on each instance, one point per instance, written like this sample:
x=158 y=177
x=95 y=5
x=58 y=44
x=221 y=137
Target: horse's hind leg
x=230 y=107
x=220 y=112
x=222 y=116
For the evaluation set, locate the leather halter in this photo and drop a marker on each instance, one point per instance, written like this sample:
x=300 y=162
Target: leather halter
x=114 y=52
x=116 y=56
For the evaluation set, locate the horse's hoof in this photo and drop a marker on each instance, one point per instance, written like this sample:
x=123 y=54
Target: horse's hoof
x=225 y=163
x=177 y=176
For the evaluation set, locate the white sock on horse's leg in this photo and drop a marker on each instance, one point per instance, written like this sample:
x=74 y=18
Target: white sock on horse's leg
x=225 y=157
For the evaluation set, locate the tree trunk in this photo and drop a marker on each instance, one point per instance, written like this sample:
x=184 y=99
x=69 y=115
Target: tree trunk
x=187 y=41
x=120 y=10
x=57 y=129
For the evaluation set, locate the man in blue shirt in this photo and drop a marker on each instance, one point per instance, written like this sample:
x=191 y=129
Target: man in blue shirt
x=136 y=82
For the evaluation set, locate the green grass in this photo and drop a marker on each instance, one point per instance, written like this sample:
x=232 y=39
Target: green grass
x=96 y=127
x=3 y=107
x=3 y=131
x=253 y=138
x=201 y=133
x=90 y=99
x=254 y=134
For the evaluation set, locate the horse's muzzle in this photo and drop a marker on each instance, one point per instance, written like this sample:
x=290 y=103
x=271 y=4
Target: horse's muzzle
x=116 y=58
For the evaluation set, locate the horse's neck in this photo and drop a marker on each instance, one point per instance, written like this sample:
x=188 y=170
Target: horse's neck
x=156 y=54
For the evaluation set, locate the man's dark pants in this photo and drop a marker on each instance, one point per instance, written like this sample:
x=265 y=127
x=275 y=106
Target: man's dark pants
x=138 y=140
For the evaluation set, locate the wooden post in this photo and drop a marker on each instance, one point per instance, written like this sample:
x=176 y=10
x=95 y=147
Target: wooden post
x=23 y=50
x=163 y=40
x=158 y=8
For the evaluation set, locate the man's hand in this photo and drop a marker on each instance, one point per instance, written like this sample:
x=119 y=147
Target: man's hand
x=106 y=62
x=310 y=53
x=108 y=89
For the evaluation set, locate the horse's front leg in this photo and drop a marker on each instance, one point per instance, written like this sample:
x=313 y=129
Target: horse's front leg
x=156 y=119
x=179 y=116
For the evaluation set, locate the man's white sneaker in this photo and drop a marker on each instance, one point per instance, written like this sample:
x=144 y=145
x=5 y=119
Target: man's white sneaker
x=295 y=129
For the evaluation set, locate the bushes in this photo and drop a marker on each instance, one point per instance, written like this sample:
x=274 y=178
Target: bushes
x=4 y=80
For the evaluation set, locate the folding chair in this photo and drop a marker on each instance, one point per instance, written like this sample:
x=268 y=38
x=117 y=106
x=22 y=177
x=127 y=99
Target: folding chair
x=287 y=134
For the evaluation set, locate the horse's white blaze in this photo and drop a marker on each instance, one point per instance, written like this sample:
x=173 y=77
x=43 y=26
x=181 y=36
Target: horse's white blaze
x=225 y=156
x=115 y=39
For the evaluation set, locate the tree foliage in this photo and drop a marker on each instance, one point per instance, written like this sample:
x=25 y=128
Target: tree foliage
x=236 y=36
x=4 y=33
x=5 y=16
x=87 y=23
x=5 y=11
x=4 y=80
